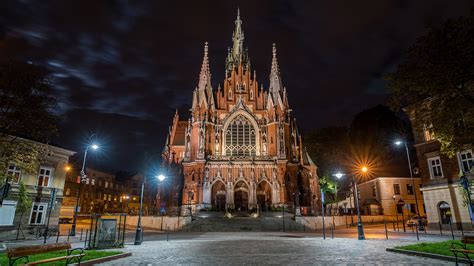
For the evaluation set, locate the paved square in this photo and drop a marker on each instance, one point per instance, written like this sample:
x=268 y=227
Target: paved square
x=269 y=248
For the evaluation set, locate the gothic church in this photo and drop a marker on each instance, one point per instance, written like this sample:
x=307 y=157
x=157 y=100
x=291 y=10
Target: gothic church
x=240 y=149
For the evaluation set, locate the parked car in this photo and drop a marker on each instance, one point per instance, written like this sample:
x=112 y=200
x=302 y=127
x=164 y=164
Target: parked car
x=414 y=220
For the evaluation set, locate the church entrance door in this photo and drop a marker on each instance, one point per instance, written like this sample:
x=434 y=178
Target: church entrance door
x=218 y=196
x=241 y=197
x=264 y=196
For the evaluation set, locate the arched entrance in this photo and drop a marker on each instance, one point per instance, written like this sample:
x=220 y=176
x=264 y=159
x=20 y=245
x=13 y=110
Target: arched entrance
x=218 y=196
x=444 y=212
x=241 y=196
x=264 y=195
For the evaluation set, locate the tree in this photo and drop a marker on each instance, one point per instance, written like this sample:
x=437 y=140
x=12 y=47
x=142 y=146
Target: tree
x=23 y=204
x=27 y=107
x=440 y=67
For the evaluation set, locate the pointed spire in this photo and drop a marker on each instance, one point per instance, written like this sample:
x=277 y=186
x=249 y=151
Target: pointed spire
x=238 y=38
x=275 y=80
x=205 y=74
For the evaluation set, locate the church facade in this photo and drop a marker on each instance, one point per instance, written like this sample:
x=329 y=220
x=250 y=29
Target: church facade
x=240 y=147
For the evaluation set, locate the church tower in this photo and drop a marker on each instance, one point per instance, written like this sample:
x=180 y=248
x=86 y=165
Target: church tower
x=240 y=148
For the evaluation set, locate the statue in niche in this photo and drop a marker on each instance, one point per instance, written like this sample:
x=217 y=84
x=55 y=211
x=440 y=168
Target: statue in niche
x=219 y=172
x=201 y=141
x=217 y=144
x=274 y=174
x=251 y=94
x=206 y=175
x=188 y=146
x=282 y=140
x=252 y=174
x=230 y=92
x=264 y=144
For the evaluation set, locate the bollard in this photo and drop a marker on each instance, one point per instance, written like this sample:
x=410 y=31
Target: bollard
x=332 y=231
x=417 y=236
x=85 y=240
x=167 y=234
x=386 y=231
x=451 y=225
x=57 y=237
x=80 y=239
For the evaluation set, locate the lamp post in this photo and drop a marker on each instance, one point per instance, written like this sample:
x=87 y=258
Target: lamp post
x=360 y=227
x=420 y=223
x=396 y=210
x=339 y=176
x=82 y=180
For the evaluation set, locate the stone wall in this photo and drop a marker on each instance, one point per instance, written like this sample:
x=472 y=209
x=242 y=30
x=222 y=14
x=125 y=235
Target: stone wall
x=316 y=222
x=157 y=222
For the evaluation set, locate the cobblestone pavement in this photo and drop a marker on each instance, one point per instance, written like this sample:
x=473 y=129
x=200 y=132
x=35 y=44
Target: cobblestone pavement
x=270 y=248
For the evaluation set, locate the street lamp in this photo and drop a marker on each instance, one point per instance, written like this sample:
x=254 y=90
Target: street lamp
x=420 y=224
x=93 y=146
x=338 y=175
x=360 y=228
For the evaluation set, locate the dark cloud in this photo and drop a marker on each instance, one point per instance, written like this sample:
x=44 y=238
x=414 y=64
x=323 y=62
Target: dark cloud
x=129 y=66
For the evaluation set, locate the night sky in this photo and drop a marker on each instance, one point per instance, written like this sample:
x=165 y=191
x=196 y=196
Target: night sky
x=120 y=70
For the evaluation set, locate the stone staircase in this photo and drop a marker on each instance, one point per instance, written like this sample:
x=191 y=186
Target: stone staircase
x=216 y=222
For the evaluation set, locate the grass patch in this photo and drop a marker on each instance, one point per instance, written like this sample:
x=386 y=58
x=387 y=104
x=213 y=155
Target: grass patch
x=90 y=255
x=441 y=248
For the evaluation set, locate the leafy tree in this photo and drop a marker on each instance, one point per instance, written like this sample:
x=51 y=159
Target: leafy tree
x=26 y=155
x=440 y=67
x=23 y=204
x=27 y=107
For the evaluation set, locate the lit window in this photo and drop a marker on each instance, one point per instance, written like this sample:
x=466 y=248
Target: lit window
x=396 y=189
x=93 y=181
x=109 y=197
x=68 y=191
x=105 y=196
x=428 y=132
x=240 y=137
x=434 y=165
x=106 y=184
x=14 y=172
x=409 y=189
x=38 y=213
x=466 y=161
x=44 y=177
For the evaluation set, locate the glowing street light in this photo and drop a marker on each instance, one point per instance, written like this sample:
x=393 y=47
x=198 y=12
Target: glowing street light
x=420 y=223
x=161 y=177
x=94 y=146
x=360 y=227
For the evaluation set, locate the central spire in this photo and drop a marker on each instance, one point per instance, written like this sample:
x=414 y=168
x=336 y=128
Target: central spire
x=238 y=38
x=237 y=55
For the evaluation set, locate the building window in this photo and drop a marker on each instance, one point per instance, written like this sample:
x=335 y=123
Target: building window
x=396 y=189
x=14 y=173
x=434 y=165
x=444 y=212
x=412 y=208
x=106 y=184
x=466 y=161
x=409 y=189
x=374 y=191
x=44 y=177
x=93 y=182
x=105 y=196
x=110 y=197
x=38 y=213
x=399 y=208
x=7 y=212
x=240 y=137
x=68 y=191
x=428 y=132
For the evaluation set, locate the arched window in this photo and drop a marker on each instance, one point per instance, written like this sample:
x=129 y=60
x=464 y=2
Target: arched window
x=444 y=212
x=240 y=137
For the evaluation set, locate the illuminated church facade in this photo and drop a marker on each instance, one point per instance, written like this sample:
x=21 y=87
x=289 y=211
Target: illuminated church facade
x=240 y=148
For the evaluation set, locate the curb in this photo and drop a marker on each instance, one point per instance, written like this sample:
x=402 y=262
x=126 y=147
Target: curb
x=427 y=255
x=105 y=259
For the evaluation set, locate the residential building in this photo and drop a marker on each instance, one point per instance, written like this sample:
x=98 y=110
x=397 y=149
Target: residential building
x=391 y=196
x=44 y=185
x=240 y=147
x=440 y=174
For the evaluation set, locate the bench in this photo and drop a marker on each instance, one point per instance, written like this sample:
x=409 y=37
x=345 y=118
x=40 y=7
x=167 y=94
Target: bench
x=462 y=248
x=24 y=252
